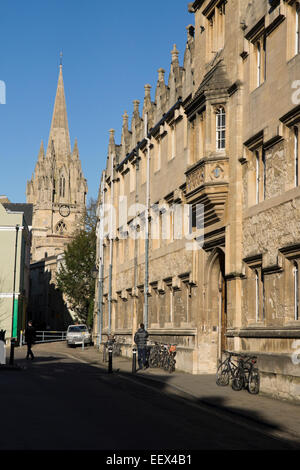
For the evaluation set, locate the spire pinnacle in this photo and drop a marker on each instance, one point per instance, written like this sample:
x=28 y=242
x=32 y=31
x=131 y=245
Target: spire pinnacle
x=75 y=150
x=59 y=131
x=41 y=152
x=174 y=53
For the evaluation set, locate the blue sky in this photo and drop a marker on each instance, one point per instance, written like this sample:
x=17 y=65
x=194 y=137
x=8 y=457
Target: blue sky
x=110 y=51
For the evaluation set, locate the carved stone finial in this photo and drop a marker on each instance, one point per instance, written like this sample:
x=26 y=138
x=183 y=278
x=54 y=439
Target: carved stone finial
x=136 y=104
x=161 y=75
x=147 y=90
x=174 y=53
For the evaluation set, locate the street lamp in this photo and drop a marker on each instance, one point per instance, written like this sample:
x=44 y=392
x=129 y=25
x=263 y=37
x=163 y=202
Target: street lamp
x=94 y=273
x=12 y=339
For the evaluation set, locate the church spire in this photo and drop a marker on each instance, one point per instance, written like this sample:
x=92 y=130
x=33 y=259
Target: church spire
x=59 y=131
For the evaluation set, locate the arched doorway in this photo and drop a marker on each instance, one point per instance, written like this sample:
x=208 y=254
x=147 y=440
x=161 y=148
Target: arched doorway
x=217 y=298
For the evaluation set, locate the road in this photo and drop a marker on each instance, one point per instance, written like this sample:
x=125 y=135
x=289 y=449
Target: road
x=59 y=402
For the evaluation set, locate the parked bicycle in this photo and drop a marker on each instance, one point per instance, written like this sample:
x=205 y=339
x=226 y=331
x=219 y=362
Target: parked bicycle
x=246 y=375
x=154 y=355
x=163 y=356
x=169 y=364
x=226 y=369
x=116 y=348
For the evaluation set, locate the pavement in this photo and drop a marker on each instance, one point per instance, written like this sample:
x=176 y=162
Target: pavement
x=267 y=416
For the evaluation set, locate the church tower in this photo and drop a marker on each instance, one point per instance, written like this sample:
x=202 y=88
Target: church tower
x=57 y=188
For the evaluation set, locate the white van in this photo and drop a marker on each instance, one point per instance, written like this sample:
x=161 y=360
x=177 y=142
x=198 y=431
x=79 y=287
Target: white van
x=76 y=334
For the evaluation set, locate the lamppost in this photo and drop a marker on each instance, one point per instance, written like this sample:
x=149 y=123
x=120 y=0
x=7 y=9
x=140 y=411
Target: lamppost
x=94 y=273
x=12 y=338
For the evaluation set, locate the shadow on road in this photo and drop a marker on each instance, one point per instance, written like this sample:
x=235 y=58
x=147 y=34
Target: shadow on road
x=74 y=405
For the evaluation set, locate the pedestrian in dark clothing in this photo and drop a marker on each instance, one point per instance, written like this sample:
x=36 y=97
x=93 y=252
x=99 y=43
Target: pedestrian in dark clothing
x=140 y=339
x=30 y=339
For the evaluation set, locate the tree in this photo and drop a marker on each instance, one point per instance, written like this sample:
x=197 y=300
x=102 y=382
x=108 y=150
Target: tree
x=74 y=278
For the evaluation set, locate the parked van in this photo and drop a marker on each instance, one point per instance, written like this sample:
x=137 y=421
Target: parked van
x=76 y=334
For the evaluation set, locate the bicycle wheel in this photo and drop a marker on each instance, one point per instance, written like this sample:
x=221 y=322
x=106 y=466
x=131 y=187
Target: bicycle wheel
x=222 y=377
x=253 y=382
x=166 y=364
x=172 y=365
x=237 y=382
x=153 y=360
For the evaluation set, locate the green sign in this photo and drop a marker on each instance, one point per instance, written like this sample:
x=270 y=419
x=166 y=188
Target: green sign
x=15 y=319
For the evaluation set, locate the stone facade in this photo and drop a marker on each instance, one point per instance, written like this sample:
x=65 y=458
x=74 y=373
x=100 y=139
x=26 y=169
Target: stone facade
x=57 y=191
x=222 y=135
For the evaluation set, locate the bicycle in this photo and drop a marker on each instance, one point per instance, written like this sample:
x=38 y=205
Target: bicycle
x=163 y=355
x=226 y=370
x=154 y=355
x=169 y=364
x=246 y=375
x=116 y=349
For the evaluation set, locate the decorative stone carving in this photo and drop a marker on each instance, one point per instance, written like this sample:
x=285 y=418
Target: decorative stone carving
x=195 y=179
x=272 y=229
x=208 y=180
x=217 y=172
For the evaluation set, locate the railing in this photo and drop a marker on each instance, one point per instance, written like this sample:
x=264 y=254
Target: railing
x=46 y=336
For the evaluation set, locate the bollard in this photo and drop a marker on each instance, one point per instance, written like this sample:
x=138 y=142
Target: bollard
x=104 y=352
x=134 y=360
x=82 y=342
x=110 y=350
x=12 y=352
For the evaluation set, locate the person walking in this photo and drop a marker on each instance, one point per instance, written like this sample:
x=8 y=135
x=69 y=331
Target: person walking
x=30 y=339
x=140 y=339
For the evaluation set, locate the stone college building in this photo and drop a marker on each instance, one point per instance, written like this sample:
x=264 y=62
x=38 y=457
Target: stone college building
x=221 y=139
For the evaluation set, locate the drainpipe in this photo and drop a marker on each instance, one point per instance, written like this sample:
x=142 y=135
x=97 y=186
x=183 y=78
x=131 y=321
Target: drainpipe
x=111 y=244
x=220 y=328
x=146 y=290
x=101 y=264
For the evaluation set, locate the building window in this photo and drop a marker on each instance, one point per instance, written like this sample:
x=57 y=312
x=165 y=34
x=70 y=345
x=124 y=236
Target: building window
x=260 y=53
x=296 y=290
x=260 y=175
x=258 y=63
x=171 y=146
x=201 y=138
x=156 y=155
x=220 y=128
x=132 y=178
x=61 y=227
x=293 y=28
x=297 y=26
x=259 y=296
x=215 y=18
x=62 y=186
x=211 y=47
x=143 y=167
x=296 y=154
x=257 y=176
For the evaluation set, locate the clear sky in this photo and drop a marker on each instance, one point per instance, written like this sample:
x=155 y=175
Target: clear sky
x=110 y=51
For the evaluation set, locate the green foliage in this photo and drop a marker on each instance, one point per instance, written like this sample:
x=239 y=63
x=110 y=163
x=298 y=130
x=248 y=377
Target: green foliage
x=74 y=278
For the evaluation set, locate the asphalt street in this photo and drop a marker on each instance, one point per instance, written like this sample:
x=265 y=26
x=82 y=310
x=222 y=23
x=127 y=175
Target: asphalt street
x=58 y=402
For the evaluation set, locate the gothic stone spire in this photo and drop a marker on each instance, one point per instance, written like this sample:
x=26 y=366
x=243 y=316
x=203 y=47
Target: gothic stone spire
x=59 y=131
